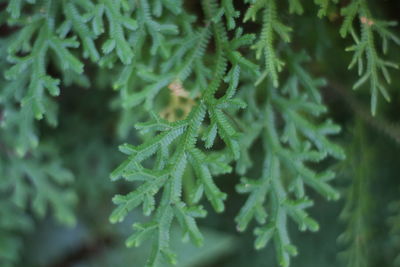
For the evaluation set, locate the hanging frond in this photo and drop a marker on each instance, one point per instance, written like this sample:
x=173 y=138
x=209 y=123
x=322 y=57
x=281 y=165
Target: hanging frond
x=175 y=148
x=372 y=67
x=271 y=28
x=279 y=194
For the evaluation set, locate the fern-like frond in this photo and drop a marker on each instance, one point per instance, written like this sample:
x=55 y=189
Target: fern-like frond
x=324 y=6
x=271 y=28
x=279 y=194
x=372 y=67
x=29 y=52
x=32 y=177
x=37 y=183
x=175 y=146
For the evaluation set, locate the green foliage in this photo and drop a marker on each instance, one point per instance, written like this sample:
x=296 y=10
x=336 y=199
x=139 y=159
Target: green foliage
x=365 y=49
x=174 y=146
x=33 y=180
x=202 y=91
x=324 y=6
x=175 y=150
x=279 y=193
x=270 y=26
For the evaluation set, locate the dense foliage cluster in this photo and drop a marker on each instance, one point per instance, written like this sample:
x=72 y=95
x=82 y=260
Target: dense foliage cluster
x=195 y=91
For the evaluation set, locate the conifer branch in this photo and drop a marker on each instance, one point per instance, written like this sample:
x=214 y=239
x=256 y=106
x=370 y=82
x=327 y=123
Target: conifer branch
x=324 y=6
x=280 y=192
x=271 y=27
x=176 y=149
x=32 y=180
x=376 y=68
